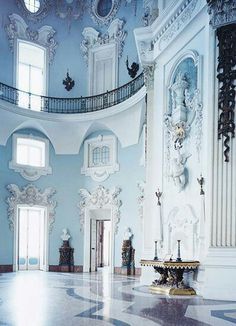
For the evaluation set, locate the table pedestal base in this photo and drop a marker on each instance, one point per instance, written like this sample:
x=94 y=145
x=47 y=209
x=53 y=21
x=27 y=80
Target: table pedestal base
x=160 y=289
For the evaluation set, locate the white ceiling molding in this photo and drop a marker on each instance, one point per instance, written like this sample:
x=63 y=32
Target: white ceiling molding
x=100 y=198
x=152 y=40
x=30 y=195
x=92 y=38
x=44 y=36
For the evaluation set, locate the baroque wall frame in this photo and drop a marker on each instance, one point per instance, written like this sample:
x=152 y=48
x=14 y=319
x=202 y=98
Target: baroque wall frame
x=99 y=20
x=178 y=132
x=100 y=198
x=28 y=172
x=44 y=36
x=102 y=172
x=30 y=195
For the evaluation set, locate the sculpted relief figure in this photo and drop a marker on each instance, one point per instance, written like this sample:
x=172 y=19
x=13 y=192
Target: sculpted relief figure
x=178 y=170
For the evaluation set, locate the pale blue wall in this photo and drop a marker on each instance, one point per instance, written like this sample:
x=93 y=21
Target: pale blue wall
x=67 y=180
x=68 y=54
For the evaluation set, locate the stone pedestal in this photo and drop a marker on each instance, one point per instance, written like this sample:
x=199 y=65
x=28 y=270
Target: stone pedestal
x=66 y=262
x=128 y=266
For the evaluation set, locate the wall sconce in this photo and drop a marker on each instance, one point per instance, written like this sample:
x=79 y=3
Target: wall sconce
x=201 y=183
x=132 y=71
x=68 y=82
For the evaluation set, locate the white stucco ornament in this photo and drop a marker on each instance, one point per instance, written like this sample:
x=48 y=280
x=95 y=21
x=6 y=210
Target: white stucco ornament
x=30 y=195
x=178 y=170
x=100 y=198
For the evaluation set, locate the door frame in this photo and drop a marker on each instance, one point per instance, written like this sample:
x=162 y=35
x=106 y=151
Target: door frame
x=16 y=237
x=87 y=237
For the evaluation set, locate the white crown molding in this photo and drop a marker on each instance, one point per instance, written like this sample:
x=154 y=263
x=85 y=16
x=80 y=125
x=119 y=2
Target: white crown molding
x=153 y=39
x=44 y=36
x=100 y=198
x=92 y=38
x=30 y=195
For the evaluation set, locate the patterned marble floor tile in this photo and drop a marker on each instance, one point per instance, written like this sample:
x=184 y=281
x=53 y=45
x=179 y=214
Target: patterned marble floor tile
x=58 y=299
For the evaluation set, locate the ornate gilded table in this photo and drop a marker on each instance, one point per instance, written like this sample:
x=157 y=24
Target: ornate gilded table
x=171 y=279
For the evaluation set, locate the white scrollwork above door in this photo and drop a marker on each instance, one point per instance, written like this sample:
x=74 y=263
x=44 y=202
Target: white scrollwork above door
x=30 y=195
x=100 y=198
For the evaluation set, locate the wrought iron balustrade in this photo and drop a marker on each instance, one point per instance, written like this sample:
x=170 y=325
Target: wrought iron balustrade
x=71 y=105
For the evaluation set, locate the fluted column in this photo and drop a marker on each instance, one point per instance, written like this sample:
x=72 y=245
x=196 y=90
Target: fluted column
x=223 y=226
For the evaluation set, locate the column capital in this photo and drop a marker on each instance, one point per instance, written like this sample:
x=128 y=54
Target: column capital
x=148 y=70
x=222 y=12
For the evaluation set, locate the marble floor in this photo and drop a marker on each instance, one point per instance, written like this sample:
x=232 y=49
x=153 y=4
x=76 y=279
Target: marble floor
x=56 y=299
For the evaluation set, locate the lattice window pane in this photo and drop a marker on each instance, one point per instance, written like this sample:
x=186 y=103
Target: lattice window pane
x=32 y=5
x=96 y=156
x=105 y=157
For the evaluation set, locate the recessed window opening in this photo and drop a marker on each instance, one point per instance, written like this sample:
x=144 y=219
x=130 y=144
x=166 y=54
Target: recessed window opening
x=32 y=5
x=30 y=74
x=30 y=152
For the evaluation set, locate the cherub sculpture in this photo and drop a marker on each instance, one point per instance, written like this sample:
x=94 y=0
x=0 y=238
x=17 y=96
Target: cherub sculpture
x=178 y=170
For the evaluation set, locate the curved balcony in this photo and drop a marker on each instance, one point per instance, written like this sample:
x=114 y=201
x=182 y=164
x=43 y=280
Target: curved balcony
x=71 y=105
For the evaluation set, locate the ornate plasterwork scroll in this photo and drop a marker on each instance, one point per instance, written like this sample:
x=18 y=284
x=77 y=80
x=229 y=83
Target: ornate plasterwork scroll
x=38 y=16
x=92 y=38
x=222 y=12
x=101 y=198
x=70 y=10
x=44 y=36
x=32 y=196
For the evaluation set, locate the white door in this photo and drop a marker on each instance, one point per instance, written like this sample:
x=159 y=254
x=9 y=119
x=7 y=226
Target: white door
x=31 y=238
x=93 y=245
x=103 y=69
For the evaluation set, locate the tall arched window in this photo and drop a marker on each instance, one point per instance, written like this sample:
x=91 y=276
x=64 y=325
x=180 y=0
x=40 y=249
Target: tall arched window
x=31 y=74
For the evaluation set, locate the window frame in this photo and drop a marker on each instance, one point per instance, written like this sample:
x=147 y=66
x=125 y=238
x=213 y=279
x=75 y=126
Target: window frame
x=45 y=66
x=29 y=172
x=100 y=172
x=32 y=12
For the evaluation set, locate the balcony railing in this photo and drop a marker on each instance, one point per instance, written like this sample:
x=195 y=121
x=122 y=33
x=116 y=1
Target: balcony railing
x=71 y=105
